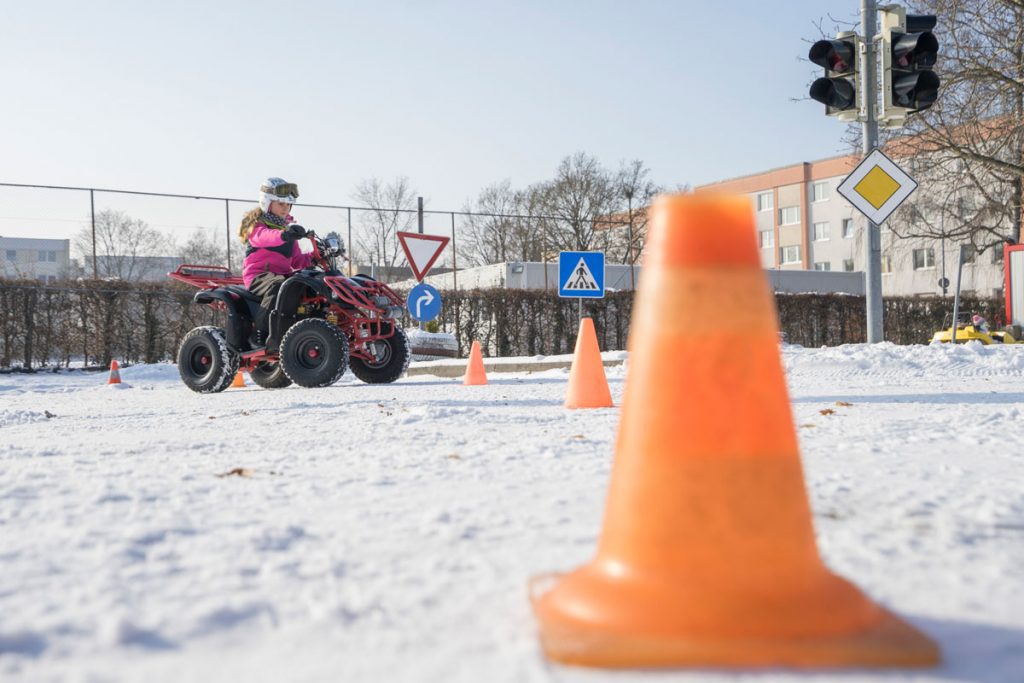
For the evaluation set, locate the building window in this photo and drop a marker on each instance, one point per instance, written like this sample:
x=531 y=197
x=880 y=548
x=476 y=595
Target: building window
x=789 y=215
x=45 y=256
x=847 y=228
x=820 y=191
x=848 y=265
x=12 y=255
x=997 y=254
x=924 y=258
x=791 y=254
x=886 y=263
x=820 y=232
x=823 y=265
x=765 y=201
x=767 y=238
x=970 y=254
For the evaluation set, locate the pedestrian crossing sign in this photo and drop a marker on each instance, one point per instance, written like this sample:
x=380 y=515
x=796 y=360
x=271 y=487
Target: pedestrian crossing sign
x=581 y=274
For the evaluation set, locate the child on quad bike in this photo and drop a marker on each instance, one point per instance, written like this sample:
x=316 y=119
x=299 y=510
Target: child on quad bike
x=272 y=254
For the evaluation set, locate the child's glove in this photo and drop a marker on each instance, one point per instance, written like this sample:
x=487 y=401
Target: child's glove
x=293 y=232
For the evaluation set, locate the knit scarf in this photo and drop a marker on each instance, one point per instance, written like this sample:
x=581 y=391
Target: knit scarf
x=269 y=219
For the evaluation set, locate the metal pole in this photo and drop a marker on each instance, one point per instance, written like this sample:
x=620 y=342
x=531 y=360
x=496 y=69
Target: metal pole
x=92 y=212
x=945 y=286
x=956 y=298
x=351 y=253
x=579 y=308
x=869 y=130
x=455 y=265
x=632 y=277
x=419 y=211
x=227 y=228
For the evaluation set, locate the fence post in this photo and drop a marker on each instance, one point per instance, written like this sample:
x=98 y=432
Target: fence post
x=227 y=228
x=351 y=252
x=92 y=213
x=455 y=265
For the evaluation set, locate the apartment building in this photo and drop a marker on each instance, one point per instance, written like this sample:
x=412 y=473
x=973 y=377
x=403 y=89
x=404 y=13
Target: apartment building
x=803 y=223
x=45 y=260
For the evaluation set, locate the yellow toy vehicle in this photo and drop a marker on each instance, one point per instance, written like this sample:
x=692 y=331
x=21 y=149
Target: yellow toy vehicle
x=973 y=328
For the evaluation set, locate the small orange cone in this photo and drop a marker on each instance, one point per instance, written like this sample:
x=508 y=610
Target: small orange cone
x=115 y=373
x=475 y=373
x=238 y=381
x=588 y=385
x=707 y=556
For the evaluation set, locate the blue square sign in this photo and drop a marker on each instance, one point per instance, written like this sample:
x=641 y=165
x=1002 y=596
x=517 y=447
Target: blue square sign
x=581 y=274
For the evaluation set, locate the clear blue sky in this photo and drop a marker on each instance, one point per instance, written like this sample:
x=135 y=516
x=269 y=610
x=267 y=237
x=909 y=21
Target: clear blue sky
x=211 y=97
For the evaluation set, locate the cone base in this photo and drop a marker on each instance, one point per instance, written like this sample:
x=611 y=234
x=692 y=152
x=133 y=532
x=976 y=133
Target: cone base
x=598 y=402
x=887 y=642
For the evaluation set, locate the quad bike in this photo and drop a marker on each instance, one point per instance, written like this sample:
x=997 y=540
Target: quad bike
x=341 y=322
x=967 y=331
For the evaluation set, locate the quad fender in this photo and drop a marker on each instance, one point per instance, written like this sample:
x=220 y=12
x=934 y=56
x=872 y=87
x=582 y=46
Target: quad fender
x=239 y=323
x=294 y=288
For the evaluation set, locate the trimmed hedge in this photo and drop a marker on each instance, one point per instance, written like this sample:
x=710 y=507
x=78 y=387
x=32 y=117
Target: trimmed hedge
x=96 y=321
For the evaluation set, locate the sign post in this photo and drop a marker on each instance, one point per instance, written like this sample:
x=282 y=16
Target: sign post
x=581 y=275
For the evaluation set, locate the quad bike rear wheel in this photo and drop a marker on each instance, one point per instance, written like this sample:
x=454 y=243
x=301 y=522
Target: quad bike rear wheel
x=269 y=376
x=314 y=353
x=391 y=355
x=205 y=362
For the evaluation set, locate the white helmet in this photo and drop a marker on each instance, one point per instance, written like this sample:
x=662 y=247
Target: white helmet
x=277 y=190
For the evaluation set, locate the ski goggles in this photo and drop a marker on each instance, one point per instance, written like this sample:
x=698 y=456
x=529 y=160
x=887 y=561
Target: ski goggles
x=283 y=190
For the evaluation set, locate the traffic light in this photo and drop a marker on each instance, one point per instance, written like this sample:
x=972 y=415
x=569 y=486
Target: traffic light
x=909 y=51
x=837 y=90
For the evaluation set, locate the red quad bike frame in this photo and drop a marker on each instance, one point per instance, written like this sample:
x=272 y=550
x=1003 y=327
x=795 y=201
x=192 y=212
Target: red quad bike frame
x=363 y=308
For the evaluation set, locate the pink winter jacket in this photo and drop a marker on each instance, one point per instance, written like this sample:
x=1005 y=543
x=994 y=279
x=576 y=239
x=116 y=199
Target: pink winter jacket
x=268 y=252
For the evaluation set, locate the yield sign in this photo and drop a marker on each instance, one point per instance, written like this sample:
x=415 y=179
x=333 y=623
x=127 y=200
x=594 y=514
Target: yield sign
x=421 y=251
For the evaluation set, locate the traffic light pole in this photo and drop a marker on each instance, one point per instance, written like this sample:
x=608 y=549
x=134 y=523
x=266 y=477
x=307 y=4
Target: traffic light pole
x=869 y=136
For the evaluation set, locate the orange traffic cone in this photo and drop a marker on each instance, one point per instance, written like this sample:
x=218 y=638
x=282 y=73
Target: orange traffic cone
x=588 y=385
x=707 y=556
x=475 y=373
x=115 y=373
x=238 y=381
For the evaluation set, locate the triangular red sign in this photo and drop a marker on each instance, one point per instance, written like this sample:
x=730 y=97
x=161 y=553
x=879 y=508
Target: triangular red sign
x=421 y=251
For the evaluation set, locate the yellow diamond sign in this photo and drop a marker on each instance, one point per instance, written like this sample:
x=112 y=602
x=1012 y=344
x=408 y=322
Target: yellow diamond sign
x=877 y=187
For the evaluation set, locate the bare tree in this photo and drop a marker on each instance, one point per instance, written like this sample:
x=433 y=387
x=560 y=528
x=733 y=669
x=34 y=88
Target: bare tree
x=582 y=195
x=637 y=189
x=501 y=228
x=970 y=144
x=203 y=247
x=392 y=208
x=122 y=245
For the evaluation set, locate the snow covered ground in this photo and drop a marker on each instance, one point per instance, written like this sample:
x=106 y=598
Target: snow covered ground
x=387 y=533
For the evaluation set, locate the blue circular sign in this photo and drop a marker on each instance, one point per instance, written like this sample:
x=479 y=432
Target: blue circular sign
x=424 y=302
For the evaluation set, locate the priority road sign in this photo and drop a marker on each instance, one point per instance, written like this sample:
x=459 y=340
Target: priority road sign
x=424 y=302
x=581 y=274
x=877 y=187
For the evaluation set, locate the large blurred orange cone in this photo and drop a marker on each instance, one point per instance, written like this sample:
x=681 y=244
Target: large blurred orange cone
x=238 y=381
x=588 y=385
x=475 y=373
x=115 y=373
x=707 y=556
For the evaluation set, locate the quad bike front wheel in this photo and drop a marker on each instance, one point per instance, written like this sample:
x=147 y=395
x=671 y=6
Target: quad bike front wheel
x=269 y=376
x=391 y=359
x=314 y=353
x=205 y=362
